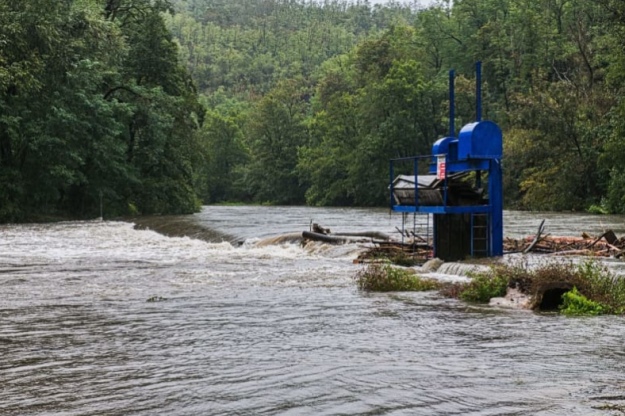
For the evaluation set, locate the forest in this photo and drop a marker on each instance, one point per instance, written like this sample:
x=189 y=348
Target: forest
x=160 y=106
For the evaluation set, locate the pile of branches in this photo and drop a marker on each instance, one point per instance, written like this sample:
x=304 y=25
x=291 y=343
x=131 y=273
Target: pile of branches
x=405 y=254
x=605 y=245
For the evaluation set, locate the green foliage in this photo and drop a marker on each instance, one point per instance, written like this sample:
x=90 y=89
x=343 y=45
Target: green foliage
x=248 y=47
x=308 y=100
x=375 y=78
x=483 y=287
x=602 y=286
x=382 y=277
x=595 y=289
x=225 y=153
x=276 y=131
x=576 y=304
x=93 y=103
x=598 y=209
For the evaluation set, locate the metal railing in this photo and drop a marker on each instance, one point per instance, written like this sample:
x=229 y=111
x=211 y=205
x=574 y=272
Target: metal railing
x=416 y=160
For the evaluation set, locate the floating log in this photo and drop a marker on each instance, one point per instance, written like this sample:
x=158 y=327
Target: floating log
x=370 y=234
x=331 y=239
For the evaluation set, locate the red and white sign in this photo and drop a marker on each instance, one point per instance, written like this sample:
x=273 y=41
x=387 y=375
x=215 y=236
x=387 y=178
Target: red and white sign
x=441 y=165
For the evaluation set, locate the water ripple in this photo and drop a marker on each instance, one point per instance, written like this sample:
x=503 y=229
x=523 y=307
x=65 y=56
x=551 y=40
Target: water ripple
x=276 y=330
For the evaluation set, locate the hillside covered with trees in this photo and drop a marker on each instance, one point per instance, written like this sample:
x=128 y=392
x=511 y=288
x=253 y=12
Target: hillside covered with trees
x=308 y=100
x=157 y=106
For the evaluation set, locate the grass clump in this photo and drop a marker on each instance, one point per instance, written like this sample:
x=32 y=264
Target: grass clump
x=490 y=284
x=484 y=286
x=602 y=286
x=382 y=277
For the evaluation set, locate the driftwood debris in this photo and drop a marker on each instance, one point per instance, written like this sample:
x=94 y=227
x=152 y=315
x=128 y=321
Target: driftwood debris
x=325 y=238
x=371 y=234
x=316 y=228
x=606 y=245
x=415 y=250
x=323 y=234
x=541 y=228
x=380 y=245
x=411 y=253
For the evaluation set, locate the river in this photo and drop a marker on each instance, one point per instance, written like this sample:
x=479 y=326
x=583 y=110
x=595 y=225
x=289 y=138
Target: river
x=101 y=318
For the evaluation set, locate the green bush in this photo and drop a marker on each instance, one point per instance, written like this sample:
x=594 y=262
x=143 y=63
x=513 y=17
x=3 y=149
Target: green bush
x=484 y=286
x=382 y=277
x=602 y=286
x=595 y=290
x=598 y=209
x=576 y=304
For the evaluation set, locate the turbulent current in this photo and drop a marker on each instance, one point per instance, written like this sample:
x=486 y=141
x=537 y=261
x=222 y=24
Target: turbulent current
x=192 y=316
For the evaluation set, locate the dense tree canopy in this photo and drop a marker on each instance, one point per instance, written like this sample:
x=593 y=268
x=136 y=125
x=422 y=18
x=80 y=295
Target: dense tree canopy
x=94 y=105
x=376 y=89
x=301 y=101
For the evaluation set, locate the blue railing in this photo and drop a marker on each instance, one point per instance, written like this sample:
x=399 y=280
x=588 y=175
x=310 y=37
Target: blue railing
x=415 y=171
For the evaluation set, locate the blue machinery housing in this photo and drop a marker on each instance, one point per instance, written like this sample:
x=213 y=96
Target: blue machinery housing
x=463 y=226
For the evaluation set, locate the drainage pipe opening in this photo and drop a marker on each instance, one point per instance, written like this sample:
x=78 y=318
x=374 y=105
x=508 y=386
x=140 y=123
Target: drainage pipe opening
x=549 y=297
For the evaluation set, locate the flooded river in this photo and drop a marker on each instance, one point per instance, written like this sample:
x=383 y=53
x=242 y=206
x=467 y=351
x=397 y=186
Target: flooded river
x=100 y=318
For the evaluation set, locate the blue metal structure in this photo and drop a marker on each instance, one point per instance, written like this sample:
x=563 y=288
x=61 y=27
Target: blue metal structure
x=476 y=228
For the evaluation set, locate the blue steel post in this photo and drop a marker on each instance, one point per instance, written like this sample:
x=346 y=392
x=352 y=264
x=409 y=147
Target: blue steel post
x=415 y=167
x=445 y=182
x=452 y=104
x=478 y=110
x=472 y=235
x=478 y=91
x=391 y=182
x=495 y=193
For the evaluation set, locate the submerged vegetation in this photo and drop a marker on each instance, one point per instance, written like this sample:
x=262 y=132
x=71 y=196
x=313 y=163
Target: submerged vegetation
x=588 y=288
x=483 y=287
x=383 y=277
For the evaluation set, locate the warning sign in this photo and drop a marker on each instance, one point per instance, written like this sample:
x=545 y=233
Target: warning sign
x=441 y=165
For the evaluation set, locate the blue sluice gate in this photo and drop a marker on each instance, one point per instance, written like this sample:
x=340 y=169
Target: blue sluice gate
x=468 y=216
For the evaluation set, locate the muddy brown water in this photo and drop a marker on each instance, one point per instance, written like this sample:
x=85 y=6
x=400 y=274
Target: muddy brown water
x=100 y=318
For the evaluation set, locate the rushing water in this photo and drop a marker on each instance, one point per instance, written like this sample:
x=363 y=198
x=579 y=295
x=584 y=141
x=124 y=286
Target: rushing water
x=276 y=329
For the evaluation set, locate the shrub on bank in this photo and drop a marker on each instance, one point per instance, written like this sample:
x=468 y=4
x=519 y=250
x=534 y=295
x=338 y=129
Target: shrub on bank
x=588 y=288
x=382 y=277
x=483 y=287
x=574 y=303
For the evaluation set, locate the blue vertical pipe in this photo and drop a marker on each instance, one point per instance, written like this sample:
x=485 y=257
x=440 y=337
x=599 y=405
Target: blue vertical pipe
x=495 y=187
x=415 y=169
x=452 y=104
x=391 y=182
x=478 y=107
x=478 y=91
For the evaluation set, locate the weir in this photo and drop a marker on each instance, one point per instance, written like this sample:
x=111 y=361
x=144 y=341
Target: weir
x=459 y=184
